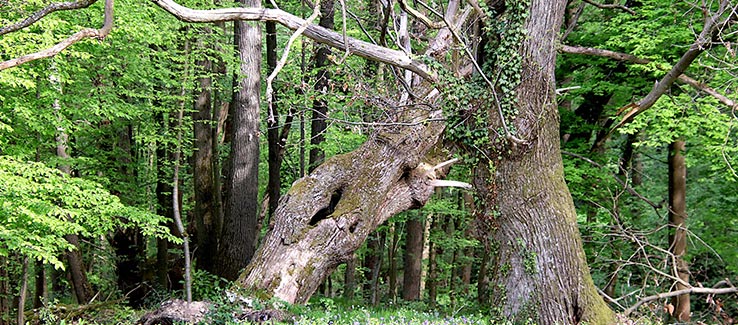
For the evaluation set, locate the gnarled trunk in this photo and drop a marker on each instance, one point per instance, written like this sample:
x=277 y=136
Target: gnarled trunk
x=328 y=214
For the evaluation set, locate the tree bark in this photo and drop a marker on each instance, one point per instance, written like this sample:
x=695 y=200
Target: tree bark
x=432 y=281
x=6 y=294
x=328 y=214
x=375 y=270
x=206 y=234
x=413 y=258
x=23 y=293
x=77 y=271
x=320 y=105
x=677 y=230
x=350 y=279
x=240 y=228
x=41 y=293
x=539 y=266
x=392 y=256
x=274 y=141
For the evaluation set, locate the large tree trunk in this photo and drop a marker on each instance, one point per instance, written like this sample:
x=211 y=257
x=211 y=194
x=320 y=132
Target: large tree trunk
x=677 y=230
x=240 y=228
x=540 y=267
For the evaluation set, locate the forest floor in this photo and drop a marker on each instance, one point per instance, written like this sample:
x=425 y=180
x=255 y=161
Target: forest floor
x=320 y=311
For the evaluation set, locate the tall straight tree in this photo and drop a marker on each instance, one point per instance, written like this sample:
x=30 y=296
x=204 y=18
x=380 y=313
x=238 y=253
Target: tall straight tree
x=413 y=261
x=77 y=270
x=276 y=139
x=677 y=230
x=320 y=105
x=240 y=211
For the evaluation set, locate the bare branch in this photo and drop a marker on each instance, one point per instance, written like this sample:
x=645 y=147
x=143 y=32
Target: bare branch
x=603 y=53
x=45 y=11
x=625 y=57
x=420 y=16
x=315 y=32
x=711 y=291
x=61 y=46
x=611 y=6
x=572 y=21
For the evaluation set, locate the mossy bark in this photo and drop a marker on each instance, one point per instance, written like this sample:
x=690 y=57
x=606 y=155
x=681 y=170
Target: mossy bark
x=328 y=214
x=540 y=271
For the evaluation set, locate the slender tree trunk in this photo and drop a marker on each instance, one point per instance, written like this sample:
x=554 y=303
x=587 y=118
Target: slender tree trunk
x=176 y=200
x=677 y=226
x=392 y=256
x=164 y=204
x=320 y=105
x=6 y=293
x=432 y=283
x=375 y=299
x=80 y=285
x=23 y=293
x=630 y=165
x=350 y=279
x=41 y=293
x=77 y=272
x=371 y=261
x=413 y=258
x=240 y=228
x=539 y=267
x=273 y=135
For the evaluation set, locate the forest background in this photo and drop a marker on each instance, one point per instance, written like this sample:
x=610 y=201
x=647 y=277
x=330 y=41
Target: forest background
x=105 y=144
